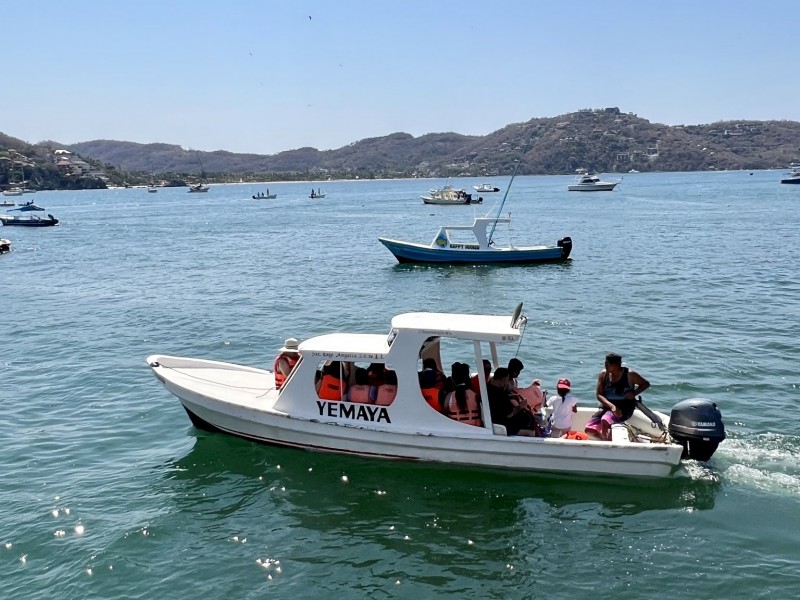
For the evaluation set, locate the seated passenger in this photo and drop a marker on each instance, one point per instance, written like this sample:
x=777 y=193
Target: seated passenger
x=361 y=391
x=331 y=386
x=532 y=395
x=386 y=393
x=515 y=367
x=429 y=365
x=617 y=389
x=506 y=410
x=487 y=375
x=428 y=383
x=286 y=360
x=462 y=404
x=377 y=374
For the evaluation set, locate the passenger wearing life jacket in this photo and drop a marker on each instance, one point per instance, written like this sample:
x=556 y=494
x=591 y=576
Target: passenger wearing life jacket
x=429 y=364
x=431 y=387
x=386 y=393
x=462 y=404
x=474 y=382
x=285 y=361
x=331 y=386
x=361 y=391
x=377 y=374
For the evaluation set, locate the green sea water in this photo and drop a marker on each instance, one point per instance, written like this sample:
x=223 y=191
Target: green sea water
x=107 y=491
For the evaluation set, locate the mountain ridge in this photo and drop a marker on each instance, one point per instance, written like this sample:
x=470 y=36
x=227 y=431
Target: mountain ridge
x=601 y=140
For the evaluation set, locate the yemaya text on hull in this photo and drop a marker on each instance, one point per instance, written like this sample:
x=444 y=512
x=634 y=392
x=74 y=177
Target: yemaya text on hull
x=364 y=394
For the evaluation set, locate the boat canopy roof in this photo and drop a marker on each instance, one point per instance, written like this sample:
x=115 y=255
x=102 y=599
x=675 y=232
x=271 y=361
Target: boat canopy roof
x=490 y=328
x=422 y=325
x=338 y=344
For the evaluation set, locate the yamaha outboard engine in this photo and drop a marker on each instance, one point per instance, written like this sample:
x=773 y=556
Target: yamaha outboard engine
x=696 y=424
x=565 y=244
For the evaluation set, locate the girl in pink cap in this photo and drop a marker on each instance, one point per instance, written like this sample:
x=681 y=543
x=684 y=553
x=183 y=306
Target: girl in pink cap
x=564 y=405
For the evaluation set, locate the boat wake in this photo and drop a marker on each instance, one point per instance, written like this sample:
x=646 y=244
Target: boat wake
x=765 y=462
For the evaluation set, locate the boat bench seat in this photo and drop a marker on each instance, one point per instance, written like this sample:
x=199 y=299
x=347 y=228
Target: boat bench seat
x=620 y=433
x=499 y=429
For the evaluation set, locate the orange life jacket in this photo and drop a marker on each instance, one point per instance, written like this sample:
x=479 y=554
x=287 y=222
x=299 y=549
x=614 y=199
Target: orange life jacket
x=471 y=415
x=432 y=398
x=331 y=388
x=575 y=435
x=359 y=393
x=280 y=378
x=386 y=394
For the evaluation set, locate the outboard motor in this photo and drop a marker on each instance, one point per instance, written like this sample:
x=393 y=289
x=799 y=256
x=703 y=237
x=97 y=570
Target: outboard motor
x=696 y=424
x=565 y=244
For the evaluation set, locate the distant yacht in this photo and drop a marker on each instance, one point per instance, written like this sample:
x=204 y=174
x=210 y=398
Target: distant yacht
x=592 y=183
x=793 y=176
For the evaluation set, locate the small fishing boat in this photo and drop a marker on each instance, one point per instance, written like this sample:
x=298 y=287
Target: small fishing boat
x=198 y=188
x=244 y=401
x=316 y=194
x=5 y=245
x=32 y=221
x=151 y=189
x=473 y=244
x=480 y=250
x=263 y=196
x=7 y=203
x=486 y=188
x=592 y=183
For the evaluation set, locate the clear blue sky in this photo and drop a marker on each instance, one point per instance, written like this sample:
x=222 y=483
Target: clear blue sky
x=260 y=76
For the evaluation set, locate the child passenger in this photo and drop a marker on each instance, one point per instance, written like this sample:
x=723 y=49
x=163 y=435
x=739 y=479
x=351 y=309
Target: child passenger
x=564 y=405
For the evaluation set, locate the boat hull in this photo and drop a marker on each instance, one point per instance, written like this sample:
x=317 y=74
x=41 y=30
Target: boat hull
x=791 y=180
x=596 y=187
x=406 y=252
x=238 y=401
x=446 y=201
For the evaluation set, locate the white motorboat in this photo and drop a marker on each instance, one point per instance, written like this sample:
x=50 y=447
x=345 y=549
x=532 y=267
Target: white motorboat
x=13 y=191
x=243 y=401
x=793 y=176
x=486 y=188
x=151 y=189
x=198 y=188
x=592 y=183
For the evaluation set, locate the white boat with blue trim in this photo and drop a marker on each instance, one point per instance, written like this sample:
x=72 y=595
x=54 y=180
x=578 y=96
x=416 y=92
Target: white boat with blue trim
x=244 y=401
x=446 y=247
